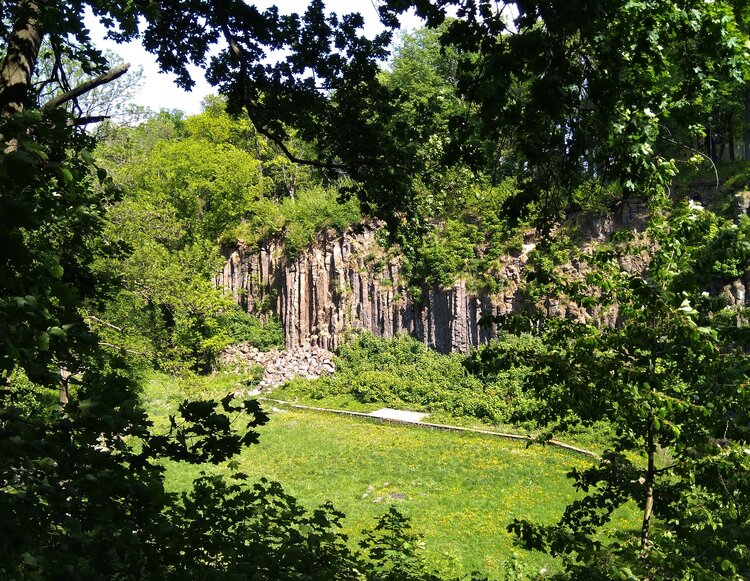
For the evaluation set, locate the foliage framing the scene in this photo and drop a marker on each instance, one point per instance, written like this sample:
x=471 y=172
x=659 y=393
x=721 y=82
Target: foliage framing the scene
x=603 y=93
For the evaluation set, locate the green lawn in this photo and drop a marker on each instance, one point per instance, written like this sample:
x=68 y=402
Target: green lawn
x=461 y=490
x=591 y=438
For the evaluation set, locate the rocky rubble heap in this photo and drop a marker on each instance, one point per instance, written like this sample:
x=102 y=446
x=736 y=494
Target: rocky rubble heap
x=309 y=362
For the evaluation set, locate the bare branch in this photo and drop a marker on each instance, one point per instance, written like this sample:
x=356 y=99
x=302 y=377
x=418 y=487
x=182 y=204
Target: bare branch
x=285 y=150
x=703 y=155
x=119 y=348
x=104 y=78
x=105 y=323
x=238 y=54
x=80 y=121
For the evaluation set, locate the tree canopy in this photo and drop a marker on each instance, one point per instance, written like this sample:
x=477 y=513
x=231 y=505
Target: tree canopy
x=549 y=106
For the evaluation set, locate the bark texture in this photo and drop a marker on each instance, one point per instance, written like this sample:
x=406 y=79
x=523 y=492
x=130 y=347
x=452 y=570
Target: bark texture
x=20 y=60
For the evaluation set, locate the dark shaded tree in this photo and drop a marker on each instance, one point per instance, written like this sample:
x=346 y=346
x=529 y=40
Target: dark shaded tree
x=81 y=481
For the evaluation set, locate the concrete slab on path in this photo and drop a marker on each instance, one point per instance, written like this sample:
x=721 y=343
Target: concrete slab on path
x=400 y=415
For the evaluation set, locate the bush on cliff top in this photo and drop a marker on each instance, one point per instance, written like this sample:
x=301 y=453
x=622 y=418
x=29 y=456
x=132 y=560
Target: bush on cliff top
x=297 y=220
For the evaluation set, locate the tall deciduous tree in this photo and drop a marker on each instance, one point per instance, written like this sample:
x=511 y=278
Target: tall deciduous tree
x=185 y=184
x=81 y=485
x=671 y=377
x=69 y=475
x=594 y=90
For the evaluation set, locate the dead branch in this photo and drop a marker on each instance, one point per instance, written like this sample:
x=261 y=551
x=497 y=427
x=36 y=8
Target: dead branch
x=104 y=323
x=79 y=121
x=126 y=350
x=104 y=78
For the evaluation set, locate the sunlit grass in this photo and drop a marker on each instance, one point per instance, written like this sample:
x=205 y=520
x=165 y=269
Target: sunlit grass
x=461 y=490
x=591 y=438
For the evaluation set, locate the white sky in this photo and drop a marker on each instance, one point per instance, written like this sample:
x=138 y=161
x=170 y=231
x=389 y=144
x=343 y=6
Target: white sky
x=159 y=90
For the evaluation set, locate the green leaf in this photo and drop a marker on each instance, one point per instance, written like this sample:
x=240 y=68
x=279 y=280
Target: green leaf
x=57 y=332
x=686 y=308
x=86 y=156
x=22 y=156
x=29 y=560
x=727 y=565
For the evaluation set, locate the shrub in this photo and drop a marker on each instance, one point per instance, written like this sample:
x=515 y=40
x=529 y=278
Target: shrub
x=298 y=219
x=403 y=372
x=376 y=386
x=241 y=327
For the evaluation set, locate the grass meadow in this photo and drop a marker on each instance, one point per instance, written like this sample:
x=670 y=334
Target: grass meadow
x=460 y=490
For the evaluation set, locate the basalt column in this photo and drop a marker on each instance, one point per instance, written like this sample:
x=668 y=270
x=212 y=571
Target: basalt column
x=346 y=283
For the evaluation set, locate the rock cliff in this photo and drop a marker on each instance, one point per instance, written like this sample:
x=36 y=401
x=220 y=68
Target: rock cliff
x=345 y=283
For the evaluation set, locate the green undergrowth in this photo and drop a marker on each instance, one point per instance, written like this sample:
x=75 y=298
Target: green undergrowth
x=403 y=373
x=298 y=219
x=241 y=327
x=162 y=393
x=460 y=490
x=591 y=438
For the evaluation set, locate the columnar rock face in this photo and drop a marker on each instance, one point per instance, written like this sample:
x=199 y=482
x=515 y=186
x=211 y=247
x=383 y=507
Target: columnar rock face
x=348 y=283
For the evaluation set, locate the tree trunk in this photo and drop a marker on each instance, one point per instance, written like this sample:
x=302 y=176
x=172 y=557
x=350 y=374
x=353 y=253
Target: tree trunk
x=64 y=387
x=730 y=135
x=648 y=508
x=20 y=59
x=747 y=122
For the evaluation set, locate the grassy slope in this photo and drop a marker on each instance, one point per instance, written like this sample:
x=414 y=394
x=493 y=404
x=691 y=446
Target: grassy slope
x=461 y=490
x=587 y=438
